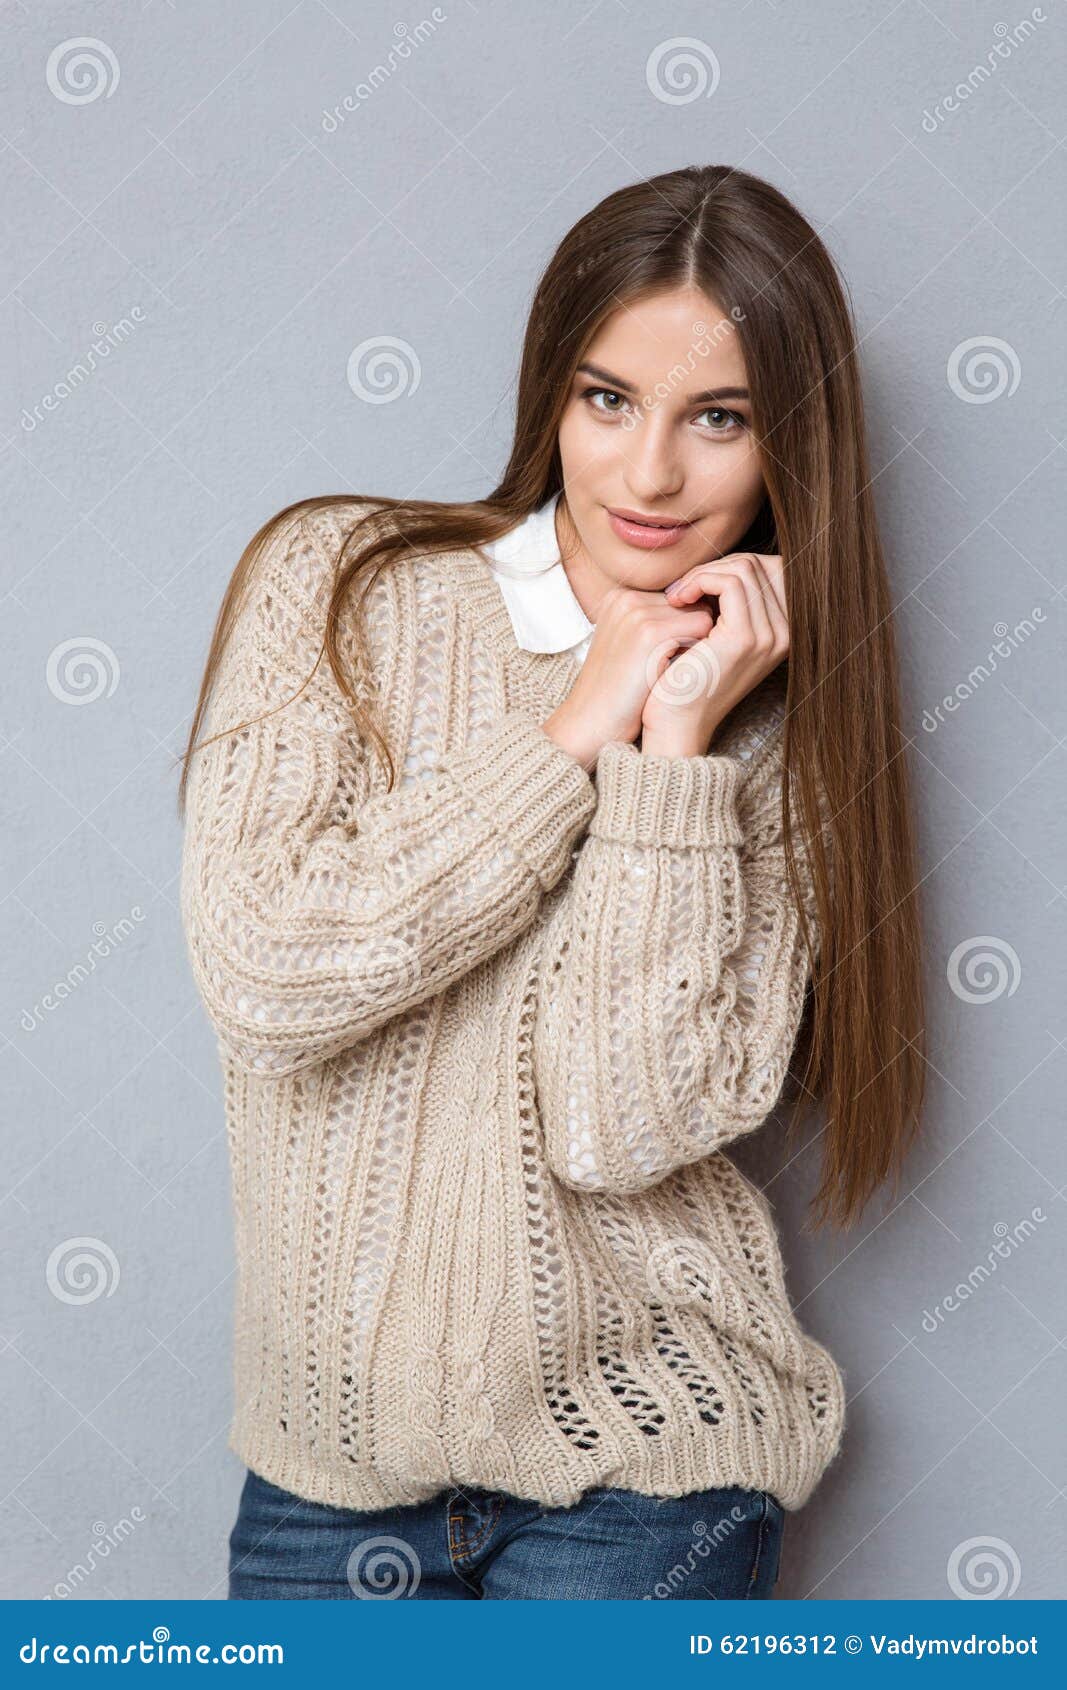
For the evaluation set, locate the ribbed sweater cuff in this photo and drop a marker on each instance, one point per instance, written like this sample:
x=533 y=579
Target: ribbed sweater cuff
x=649 y=799
x=533 y=792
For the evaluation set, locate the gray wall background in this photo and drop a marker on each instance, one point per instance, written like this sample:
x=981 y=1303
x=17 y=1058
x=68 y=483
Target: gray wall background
x=178 y=199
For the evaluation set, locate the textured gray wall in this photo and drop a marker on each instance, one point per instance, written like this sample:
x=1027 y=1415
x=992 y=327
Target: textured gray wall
x=204 y=248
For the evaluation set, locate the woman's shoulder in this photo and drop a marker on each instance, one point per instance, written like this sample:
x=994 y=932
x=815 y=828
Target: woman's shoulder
x=297 y=550
x=281 y=609
x=413 y=575
x=325 y=526
x=329 y=521
x=389 y=621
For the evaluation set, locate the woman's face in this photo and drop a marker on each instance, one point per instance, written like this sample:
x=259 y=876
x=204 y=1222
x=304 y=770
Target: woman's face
x=658 y=424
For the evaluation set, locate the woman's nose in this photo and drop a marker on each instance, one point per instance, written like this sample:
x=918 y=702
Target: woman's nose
x=653 y=471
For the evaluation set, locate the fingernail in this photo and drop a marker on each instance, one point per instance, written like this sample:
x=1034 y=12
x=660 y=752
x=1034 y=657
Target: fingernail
x=671 y=584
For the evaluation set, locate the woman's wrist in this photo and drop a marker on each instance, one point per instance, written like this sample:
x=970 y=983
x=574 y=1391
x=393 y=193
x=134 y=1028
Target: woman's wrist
x=570 y=738
x=673 y=745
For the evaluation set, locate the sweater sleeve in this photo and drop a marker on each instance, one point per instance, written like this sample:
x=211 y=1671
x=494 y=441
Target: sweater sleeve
x=672 y=982
x=315 y=910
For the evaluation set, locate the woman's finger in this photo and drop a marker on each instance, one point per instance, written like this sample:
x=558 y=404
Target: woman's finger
x=770 y=565
x=736 y=598
x=736 y=584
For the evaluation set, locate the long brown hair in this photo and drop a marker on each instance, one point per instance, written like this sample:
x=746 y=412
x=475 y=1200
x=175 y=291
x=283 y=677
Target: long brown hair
x=745 y=246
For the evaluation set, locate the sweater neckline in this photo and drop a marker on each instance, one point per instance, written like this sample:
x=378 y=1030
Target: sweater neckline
x=480 y=599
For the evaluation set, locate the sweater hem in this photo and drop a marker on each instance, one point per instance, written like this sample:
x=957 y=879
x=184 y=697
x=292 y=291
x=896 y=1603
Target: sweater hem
x=678 y=1469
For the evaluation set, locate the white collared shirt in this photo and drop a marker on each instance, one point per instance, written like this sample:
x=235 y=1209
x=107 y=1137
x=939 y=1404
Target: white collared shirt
x=541 y=602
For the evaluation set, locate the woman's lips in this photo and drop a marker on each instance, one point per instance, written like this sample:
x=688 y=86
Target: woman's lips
x=642 y=534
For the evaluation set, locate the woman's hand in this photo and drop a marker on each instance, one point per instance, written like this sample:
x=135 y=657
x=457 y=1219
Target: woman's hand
x=696 y=688
x=635 y=633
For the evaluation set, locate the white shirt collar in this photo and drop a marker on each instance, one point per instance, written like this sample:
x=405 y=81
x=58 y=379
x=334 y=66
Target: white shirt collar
x=545 y=613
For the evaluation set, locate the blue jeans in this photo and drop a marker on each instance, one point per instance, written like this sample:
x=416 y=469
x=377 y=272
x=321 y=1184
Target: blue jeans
x=468 y=1544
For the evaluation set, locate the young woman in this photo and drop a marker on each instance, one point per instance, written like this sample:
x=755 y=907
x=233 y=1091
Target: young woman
x=521 y=834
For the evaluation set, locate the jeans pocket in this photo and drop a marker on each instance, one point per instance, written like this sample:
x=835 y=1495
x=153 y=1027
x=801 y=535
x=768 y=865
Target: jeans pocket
x=769 y=1546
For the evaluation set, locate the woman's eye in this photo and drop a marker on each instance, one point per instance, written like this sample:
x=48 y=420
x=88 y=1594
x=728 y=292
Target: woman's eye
x=725 y=421
x=593 y=393
x=615 y=405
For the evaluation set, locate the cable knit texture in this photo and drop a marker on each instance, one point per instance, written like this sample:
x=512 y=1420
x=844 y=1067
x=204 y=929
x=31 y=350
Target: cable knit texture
x=486 y=1039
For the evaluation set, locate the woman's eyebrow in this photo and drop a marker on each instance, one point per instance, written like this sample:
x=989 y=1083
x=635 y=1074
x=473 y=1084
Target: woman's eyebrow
x=710 y=395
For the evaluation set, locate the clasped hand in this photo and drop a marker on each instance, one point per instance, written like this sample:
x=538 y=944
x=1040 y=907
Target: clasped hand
x=748 y=636
x=669 y=666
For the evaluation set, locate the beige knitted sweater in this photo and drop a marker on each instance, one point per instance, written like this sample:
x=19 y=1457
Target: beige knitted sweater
x=486 y=1039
